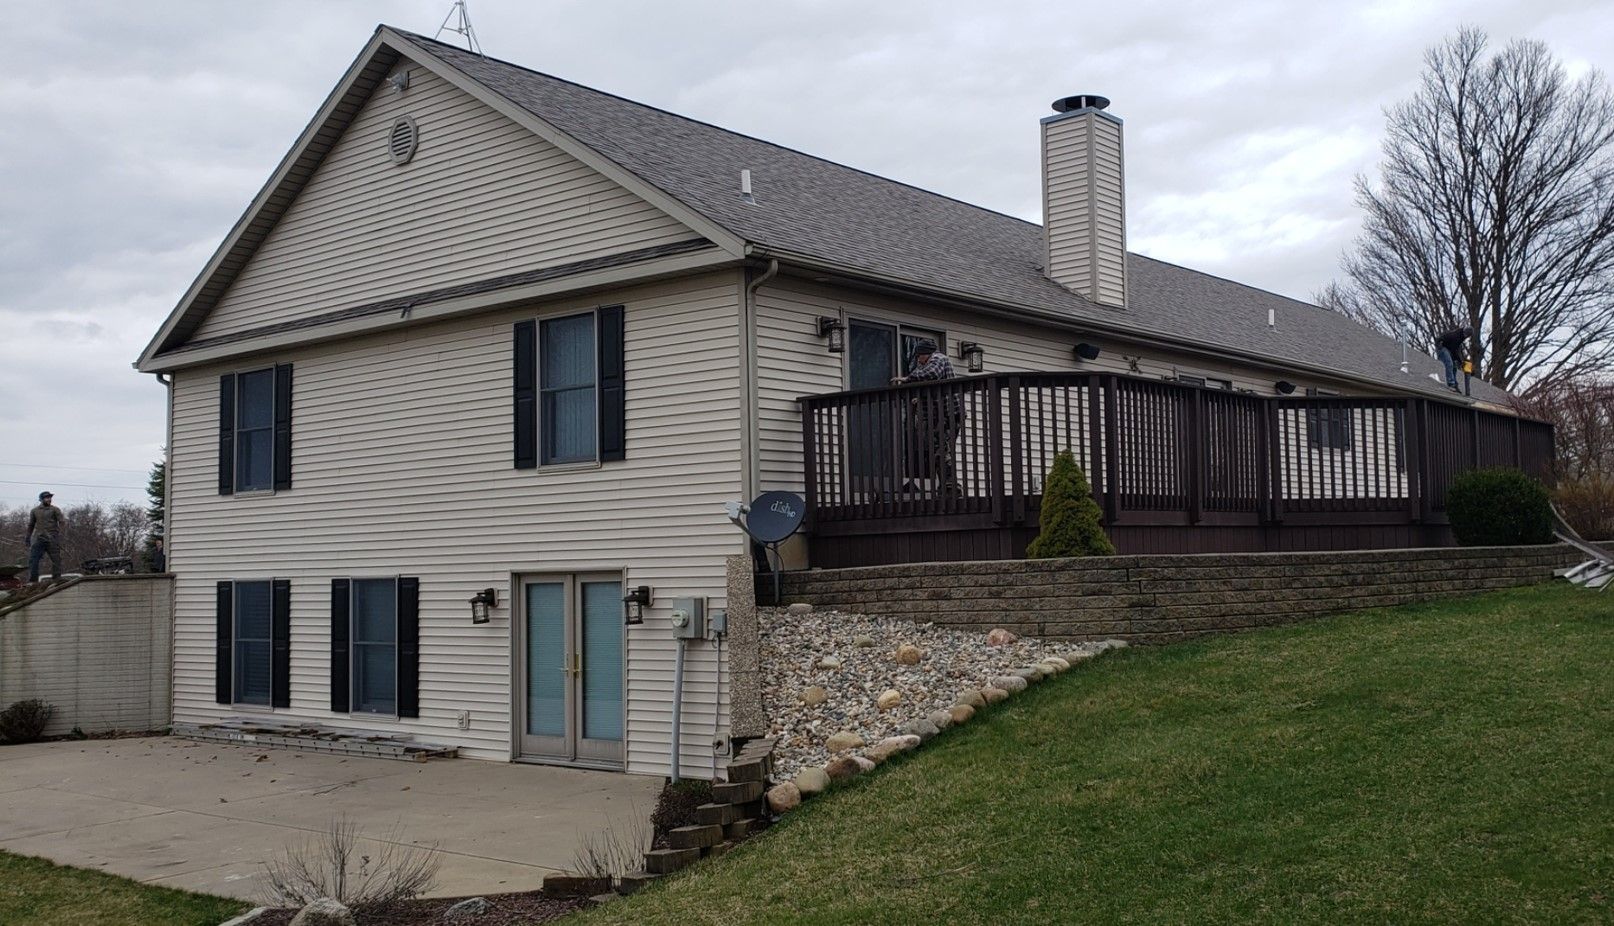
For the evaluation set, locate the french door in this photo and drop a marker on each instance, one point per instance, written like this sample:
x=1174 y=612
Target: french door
x=879 y=352
x=570 y=666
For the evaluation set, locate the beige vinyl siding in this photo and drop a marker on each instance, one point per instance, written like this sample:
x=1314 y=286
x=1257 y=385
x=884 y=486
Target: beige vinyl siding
x=402 y=465
x=97 y=651
x=1084 y=206
x=482 y=197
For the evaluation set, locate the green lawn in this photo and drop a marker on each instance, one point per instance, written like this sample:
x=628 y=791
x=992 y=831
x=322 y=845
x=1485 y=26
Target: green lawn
x=1444 y=763
x=34 y=892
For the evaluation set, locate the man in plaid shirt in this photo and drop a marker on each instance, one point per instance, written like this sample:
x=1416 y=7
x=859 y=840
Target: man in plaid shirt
x=935 y=421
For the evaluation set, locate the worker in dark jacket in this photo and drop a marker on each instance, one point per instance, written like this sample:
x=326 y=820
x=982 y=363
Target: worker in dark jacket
x=1449 y=348
x=44 y=537
x=935 y=420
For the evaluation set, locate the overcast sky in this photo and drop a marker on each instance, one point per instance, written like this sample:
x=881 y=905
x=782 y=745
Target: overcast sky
x=135 y=133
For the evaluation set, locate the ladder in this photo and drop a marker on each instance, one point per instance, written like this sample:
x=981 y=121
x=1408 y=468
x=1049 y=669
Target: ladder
x=1597 y=572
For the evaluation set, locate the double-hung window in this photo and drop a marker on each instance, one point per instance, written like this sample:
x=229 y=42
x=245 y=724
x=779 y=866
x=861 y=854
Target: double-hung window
x=1328 y=427
x=375 y=646
x=254 y=644
x=568 y=390
x=255 y=430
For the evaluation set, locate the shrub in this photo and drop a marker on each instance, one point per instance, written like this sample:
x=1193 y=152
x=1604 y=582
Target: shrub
x=331 y=866
x=676 y=805
x=1588 y=505
x=1070 y=517
x=25 y=721
x=1498 y=507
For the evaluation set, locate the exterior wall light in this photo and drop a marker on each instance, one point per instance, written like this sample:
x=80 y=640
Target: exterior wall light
x=1086 y=351
x=634 y=603
x=973 y=355
x=835 y=330
x=1284 y=387
x=483 y=602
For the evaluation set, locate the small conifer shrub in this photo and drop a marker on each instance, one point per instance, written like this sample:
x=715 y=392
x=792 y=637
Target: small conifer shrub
x=1070 y=517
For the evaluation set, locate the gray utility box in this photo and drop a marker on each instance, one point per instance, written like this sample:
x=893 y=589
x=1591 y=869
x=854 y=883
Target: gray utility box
x=689 y=618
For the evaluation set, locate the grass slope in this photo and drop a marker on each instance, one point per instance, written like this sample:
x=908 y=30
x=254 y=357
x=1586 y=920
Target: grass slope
x=1449 y=762
x=35 y=892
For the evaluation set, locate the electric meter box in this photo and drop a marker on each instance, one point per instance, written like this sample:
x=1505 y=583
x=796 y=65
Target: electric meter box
x=689 y=618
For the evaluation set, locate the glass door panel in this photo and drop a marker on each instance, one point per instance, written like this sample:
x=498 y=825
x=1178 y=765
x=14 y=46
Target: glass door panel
x=600 y=689
x=546 y=676
x=871 y=428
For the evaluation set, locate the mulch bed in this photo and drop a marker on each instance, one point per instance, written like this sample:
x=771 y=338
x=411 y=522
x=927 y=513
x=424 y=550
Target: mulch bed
x=504 y=910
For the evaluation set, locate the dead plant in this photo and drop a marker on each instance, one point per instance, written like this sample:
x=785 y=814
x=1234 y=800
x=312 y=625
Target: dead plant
x=334 y=865
x=615 y=850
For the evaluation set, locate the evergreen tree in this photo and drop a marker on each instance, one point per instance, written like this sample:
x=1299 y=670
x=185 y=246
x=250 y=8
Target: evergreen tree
x=156 y=498
x=1070 y=517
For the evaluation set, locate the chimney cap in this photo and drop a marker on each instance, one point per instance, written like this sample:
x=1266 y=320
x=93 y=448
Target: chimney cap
x=1081 y=101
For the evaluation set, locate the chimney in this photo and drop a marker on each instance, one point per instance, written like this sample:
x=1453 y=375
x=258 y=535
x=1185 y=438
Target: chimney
x=1084 y=200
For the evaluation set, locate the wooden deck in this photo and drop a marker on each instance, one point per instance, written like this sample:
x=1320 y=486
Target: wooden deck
x=954 y=470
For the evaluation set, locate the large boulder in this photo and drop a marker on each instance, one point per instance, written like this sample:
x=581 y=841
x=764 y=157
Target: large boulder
x=467 y=909
x=324 y=912
x=994 y=695
x=888 y=699
x=783 y=798
x=997 y=636
x=811 y=780
x=909 y=655
x=842 y=741
x=962 y=713
x=799 y=608
x=923 y=728
x=972 y=697
x=842 y=769
x=814 y=695
x=941 y=719
x=1010 y=683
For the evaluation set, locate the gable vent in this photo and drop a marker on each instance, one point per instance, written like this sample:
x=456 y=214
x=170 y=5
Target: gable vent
x=403 y=139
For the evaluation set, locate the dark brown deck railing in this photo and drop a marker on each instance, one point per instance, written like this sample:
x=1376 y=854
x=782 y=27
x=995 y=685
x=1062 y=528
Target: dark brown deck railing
x=973 y=452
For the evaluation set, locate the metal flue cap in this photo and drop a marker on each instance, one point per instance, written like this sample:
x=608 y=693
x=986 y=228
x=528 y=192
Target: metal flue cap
x=1081 y=101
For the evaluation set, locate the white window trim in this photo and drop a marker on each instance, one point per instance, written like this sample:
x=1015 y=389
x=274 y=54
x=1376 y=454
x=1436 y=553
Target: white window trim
x=561 y=466
x=353 y=647
x=235 y=639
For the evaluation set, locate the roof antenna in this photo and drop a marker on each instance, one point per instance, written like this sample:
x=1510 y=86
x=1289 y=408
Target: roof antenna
x=462 y=26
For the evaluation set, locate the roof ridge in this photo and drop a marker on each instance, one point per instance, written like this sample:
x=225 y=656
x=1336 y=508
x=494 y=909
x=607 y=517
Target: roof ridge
x=719 y=128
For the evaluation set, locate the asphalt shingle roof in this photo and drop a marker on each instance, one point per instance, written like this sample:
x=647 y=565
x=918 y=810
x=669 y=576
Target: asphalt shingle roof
x=862 y=222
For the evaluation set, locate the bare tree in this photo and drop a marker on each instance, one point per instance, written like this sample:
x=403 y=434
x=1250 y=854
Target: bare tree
x=1581 y=410
x=1494 y=209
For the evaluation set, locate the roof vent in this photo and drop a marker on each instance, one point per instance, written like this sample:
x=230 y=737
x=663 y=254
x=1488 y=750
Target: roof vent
x=1081 y=101
x=403 y=139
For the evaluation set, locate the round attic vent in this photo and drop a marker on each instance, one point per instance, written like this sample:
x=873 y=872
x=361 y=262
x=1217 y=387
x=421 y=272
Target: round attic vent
x=402 y=140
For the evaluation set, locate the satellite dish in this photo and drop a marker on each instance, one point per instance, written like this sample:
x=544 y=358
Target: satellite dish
x=770 y=520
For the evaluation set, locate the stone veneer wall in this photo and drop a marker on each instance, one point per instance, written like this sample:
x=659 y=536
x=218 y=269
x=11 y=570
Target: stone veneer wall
x=1162 y=599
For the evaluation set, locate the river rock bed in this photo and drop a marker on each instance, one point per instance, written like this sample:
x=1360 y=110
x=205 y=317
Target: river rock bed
x=826 y=673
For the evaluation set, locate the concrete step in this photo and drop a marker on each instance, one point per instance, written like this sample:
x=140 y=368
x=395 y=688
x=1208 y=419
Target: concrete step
x=634 y=881
x=695 y=837
x=667 y=861
x=717 y=814
x=736 y=792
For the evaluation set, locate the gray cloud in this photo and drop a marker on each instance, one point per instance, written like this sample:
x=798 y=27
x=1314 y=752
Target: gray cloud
x=136 y=134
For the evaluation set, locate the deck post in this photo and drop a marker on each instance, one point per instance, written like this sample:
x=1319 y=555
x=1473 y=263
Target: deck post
x=994 y=448
x=1112 y=453
x=1197 y=437
x=1275 y=459
x=809 y=464
x=1095 y=441
x=1263 y=463
x=1412 y=459
x=1017 y=493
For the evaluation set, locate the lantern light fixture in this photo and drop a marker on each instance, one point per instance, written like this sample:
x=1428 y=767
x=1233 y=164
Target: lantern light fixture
x=973 y=355
x=634 y=603
x=483 y=602
x=1086 y=351
x=834 y=330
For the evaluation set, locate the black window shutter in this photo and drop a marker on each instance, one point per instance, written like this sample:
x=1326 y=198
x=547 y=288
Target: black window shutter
x=339 y=646
x=526 y=394
x=613 y=385
x=283 y=426
x=223 y=692
x=280 y=633
x=408 y=647
x=227 y=434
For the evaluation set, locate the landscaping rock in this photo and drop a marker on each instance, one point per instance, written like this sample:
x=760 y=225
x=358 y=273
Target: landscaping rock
x=1058 y=662
x=799 y=609
x=909 y=655
x=864 y=763
x=1030 y=675
x=811 y=780
x=1010 y=683
x=941 y=719
x=922 y=728
x=814 y=695
x=784 y=798
x=961 y=713
x=888 y=699
x=830 y=662
x=972 y=697
x=324 y=912
x=469 y=908
x=842 y=741
x=994 y=695
x=997 y=636
x=842 y=769
x=863 y=641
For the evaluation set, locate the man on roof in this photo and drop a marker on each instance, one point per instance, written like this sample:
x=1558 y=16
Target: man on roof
x=44 y=537
x=1449 y=348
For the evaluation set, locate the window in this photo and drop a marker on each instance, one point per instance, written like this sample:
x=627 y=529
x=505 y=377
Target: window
x=375 y=646
x=254 y=644
x=567 y=389
x=1328 y=427
x=880 y=351
x=1226 y=385
x=254 y=430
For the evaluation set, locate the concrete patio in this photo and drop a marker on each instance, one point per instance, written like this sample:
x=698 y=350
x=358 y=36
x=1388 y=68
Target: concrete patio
x=205 y=817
